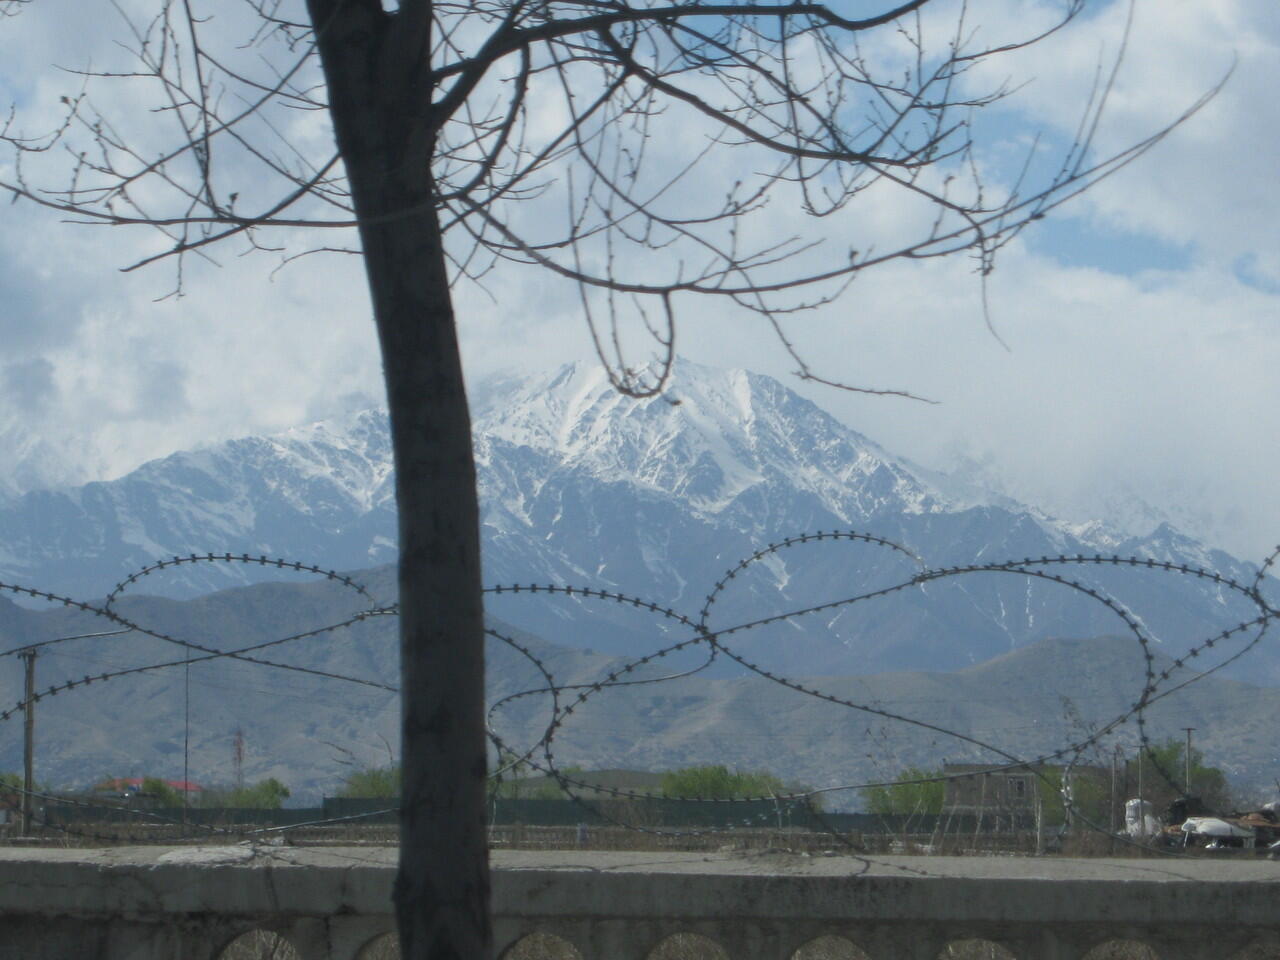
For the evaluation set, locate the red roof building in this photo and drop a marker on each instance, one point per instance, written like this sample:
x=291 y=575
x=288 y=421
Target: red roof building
x=134 y=784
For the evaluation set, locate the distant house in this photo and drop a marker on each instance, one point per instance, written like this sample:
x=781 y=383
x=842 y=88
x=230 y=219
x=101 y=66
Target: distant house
x=1009 y=795
x=132 y=786
x=10 y=803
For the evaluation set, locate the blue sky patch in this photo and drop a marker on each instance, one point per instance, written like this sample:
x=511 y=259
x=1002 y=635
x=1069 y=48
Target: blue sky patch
x=1084 y=242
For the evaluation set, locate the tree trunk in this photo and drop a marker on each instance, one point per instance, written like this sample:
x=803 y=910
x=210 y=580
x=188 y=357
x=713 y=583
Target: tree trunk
x=442 y=887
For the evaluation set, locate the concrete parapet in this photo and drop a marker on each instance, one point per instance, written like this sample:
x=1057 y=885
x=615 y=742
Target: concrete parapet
x=189 y=903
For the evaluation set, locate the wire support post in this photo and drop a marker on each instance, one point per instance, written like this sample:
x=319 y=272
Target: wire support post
x=28 y=738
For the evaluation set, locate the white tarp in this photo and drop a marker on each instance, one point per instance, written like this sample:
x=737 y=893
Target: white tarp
x=1139 y=819
x=1214 y=827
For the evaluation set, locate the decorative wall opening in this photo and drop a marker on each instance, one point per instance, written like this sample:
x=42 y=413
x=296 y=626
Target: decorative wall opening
x=1122 y=950
x=385 y=946
x=542 y=946
x=259 y=945
x=829 y=948
x=688 y=946
x=975 y=950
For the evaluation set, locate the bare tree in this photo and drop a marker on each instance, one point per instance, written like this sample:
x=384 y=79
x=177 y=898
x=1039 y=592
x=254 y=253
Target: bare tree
x=648 y=152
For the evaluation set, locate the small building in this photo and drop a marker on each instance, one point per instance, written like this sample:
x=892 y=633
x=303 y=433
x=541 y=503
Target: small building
x=130 y=787
x=1011 y=796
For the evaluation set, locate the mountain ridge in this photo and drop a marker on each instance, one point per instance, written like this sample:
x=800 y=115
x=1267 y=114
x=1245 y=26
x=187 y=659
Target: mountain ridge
x=309 y=730
x=654 y=498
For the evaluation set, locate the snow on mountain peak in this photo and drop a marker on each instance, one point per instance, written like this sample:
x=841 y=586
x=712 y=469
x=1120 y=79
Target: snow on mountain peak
x=711 y=437
x=578 y=484
x=35 y=461
x=350 y=455
x=727 y=442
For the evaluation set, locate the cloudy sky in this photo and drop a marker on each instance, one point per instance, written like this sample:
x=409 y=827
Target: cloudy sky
x=1139 y=327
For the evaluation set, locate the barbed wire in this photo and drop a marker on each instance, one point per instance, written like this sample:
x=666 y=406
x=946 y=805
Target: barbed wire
x=107 y=612
x=1025 y=567
x=566 y=700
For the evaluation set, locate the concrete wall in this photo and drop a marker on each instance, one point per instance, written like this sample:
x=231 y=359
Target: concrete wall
x=189 y=903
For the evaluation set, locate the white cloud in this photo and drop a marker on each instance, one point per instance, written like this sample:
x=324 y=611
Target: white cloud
x=1209 y=182
x=1162 y=385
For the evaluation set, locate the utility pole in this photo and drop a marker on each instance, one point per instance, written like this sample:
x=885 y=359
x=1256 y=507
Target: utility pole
x=1039 y=819
x=1115 y=775
x=1142 y=810
x=28 y=654
x=1188 y=759
x=237 y=758
x=28 y=736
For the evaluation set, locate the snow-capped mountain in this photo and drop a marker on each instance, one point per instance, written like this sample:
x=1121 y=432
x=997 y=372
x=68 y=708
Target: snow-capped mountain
x=654 y=498
x=322 y=492
x=32 y=461
x=659 y=497
x=717 y=440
